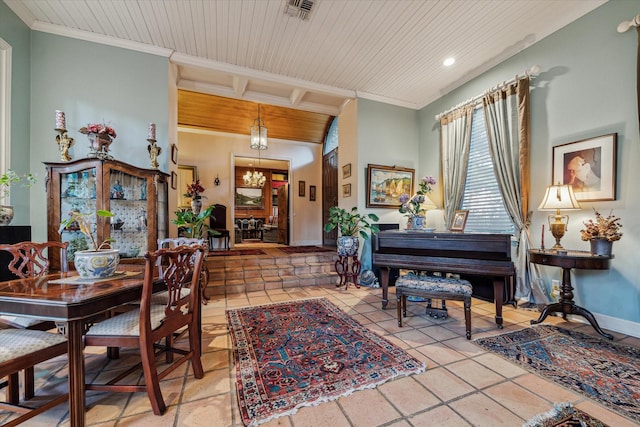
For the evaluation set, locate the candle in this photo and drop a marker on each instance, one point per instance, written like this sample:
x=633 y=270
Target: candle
x=60 y=120
x=542 y=240
x=152 y=131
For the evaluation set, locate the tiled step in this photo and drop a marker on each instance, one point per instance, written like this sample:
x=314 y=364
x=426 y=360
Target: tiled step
x=273 y=270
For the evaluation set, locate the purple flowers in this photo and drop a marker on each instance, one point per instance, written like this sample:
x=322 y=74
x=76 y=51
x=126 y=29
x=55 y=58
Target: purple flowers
x=411 y=206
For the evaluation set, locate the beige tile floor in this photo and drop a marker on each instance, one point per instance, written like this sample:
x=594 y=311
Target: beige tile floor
x=463 y=385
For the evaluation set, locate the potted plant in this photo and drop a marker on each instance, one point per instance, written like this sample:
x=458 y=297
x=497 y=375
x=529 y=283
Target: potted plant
x=194 y=225
x=350 y=225
x=601 y=233
x=6 y=181
x=100 y=260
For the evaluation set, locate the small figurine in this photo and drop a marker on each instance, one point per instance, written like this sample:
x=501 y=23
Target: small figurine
x=154 y=152
x=143 y=191
x=142 y=220
x=116 y=191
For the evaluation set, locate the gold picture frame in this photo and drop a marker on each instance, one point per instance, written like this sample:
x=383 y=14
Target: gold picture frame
x=385 y=184
x=346 y=190
x=346 y=171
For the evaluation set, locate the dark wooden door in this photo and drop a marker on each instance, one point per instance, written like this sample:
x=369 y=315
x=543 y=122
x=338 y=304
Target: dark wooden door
x=283 y=214
x=329 y=193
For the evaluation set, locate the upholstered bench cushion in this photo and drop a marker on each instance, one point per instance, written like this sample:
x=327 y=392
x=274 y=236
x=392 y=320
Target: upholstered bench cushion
x=19 y=321
x=441 y=285
x=127 y=323
x=15 y=343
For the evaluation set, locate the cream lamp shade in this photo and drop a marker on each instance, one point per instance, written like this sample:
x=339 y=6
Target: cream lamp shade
x=559 y=197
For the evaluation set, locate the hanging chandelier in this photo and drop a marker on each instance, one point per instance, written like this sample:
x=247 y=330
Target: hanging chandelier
x=258 y=134
x=254 y=179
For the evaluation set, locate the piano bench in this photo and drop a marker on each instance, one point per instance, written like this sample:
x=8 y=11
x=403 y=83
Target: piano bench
x=437 y=287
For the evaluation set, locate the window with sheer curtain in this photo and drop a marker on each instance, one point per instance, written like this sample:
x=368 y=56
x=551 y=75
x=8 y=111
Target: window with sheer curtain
x=482 y=195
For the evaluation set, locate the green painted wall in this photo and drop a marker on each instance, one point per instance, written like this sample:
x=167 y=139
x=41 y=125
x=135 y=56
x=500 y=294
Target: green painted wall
x=586 y=89
x=94 y=83
x=15 y=33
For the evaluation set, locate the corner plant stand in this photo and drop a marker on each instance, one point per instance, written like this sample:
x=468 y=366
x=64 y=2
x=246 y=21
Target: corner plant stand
x=348 y=269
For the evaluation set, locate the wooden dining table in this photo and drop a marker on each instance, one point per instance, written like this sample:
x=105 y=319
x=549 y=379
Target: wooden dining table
x=72 y=303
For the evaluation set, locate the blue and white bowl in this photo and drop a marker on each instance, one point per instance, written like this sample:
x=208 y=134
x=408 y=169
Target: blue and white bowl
x=96 y=264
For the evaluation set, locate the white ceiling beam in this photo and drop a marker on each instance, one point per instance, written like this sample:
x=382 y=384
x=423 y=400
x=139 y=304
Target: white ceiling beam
x=240 y=85
x=296 y=96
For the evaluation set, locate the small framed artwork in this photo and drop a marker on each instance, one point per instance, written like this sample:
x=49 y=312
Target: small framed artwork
x=589 y=166
x=174 y=154
x=312 y=193
x=174 y=180
x=459 y=220
x=301 y=188
x=385 y=184
x=346 y=190
x=346 y=171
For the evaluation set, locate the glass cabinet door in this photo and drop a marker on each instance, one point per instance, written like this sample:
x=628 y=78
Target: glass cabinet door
x=128 y=203
x=77 y=193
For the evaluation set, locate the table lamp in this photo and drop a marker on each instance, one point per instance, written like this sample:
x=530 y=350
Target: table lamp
x=558 y=197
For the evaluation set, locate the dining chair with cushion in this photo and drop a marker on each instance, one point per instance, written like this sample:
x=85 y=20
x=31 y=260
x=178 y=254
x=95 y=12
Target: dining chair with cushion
x=146 y=326
x=174 y=243
x=30 y=259
x=22 y=349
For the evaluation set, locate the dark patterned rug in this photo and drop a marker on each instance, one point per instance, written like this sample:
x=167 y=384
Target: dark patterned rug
x=305 y=249
x=602 y=370
x=301 y=353
x=237 y=252
x=564 y=415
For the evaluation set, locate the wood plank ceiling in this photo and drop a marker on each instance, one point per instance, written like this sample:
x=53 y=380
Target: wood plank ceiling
x=272 y=53
x=209 y=112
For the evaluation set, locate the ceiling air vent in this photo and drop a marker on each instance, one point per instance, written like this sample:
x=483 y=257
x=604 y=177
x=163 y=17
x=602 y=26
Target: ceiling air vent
x=300 y=8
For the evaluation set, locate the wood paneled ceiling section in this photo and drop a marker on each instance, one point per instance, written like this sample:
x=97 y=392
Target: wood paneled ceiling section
x=203 y=111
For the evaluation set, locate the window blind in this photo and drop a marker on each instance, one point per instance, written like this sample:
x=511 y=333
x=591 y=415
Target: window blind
x=481 y=193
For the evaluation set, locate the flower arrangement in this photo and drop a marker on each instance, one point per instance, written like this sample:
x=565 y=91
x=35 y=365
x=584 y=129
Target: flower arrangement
x=411 y=207
x=194 y=189
x=97 y=128
x=84 y=225
x=605 y=228
x=10 y=178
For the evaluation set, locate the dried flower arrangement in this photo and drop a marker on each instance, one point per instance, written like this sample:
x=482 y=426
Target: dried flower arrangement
x=603 y=227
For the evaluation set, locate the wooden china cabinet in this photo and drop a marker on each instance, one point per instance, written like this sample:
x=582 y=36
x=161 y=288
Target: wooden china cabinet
x=137 y=197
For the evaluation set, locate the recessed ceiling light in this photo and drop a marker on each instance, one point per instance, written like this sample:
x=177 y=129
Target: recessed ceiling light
x=449 y=61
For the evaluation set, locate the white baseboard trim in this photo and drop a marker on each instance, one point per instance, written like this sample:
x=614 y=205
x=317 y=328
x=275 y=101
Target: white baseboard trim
x=610 y=323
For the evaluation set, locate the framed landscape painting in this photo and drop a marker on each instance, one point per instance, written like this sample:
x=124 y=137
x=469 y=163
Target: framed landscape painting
x=386 y=183
x=249 y=198
x=589 y=166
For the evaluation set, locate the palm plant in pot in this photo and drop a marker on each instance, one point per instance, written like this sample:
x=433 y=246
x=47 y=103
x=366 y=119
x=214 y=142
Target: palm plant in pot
x=7 y=180
x=100 y=260
x=350 y=225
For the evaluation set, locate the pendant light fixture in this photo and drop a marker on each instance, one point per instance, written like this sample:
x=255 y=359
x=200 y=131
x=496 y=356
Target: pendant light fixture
x=258 y=134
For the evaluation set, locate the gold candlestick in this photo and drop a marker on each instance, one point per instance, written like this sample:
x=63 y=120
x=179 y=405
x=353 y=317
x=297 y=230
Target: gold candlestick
x=64 y=143
x=154 y=152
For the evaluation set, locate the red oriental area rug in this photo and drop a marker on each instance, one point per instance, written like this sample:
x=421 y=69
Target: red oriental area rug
x=301 y=353
x=602 y=370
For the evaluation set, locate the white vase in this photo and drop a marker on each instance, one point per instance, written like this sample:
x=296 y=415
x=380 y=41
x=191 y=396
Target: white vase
x=6 y=214
x=196 y=206
x=96 y=264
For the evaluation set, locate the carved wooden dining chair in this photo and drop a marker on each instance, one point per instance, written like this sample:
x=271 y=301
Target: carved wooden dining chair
x=147 y=326
x=22 y=349
x=30 y=259
x=174 y=243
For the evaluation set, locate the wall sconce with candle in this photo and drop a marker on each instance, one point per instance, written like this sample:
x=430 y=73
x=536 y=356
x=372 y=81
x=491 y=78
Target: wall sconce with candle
x=558 y=197
x=216 y=181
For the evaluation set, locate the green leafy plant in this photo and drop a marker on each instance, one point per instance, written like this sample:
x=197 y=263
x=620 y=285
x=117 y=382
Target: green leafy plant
x=351 y=223
x=194 y=226
x=81 y=221
x=11 y=178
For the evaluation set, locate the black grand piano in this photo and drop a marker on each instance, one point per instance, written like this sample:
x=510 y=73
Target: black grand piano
x=472 y=255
